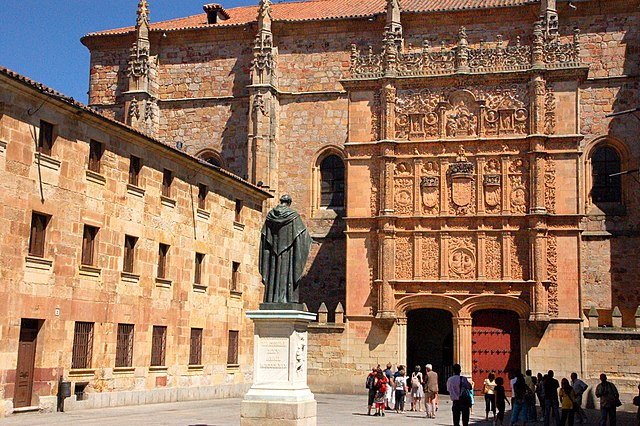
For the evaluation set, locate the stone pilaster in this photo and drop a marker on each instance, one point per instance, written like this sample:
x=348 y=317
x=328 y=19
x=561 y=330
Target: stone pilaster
x=462 y=343
x=387 y=271
x=539 y=296
x=402 y=340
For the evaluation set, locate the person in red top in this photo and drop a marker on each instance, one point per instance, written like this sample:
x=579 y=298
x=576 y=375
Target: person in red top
x=381 y=383
x=370 y=384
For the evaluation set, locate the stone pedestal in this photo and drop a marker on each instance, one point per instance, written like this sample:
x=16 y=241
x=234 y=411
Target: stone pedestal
x=279 y=394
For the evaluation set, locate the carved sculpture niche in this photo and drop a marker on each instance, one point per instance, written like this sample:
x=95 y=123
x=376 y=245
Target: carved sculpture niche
x=403 y=189
x=518 y=186
x=492 y=186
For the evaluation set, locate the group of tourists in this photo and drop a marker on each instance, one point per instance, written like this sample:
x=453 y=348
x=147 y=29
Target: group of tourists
x=560 y=402
x=389 y=389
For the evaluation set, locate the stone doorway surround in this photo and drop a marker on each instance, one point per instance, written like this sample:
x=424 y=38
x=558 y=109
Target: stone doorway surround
x=461 y=308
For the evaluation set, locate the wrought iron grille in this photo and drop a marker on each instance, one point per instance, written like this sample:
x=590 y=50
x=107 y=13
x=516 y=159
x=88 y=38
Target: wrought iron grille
x=232 y=352
x=82 y=345
x=124 y=346
x=195 y=347
x=158 y=345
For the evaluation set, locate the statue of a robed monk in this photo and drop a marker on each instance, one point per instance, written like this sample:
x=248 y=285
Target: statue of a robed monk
x=284 y=248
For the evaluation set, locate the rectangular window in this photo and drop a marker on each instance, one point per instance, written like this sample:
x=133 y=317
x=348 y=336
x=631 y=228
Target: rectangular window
x=38 y=230
x=158 y=345
x=135 y=165
x=124 y=346
x=95 y=155
x=129 y=253
x=88 y=245
x=197 y=276
x=82 y=345
x=167 y=180
x=235 y=267
x=163 y=253
x=195 y=347
x=45 y=138
x=202 y=196
x=238 y=211
x=232 y=352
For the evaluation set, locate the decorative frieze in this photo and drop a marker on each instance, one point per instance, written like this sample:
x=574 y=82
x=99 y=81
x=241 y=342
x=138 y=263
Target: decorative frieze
x=403 y=258
x=493 y=258
x=430 y=258
x=552 y=274
x=550 y=185
x=499 y=56
x=519 y=254
x=518 y=186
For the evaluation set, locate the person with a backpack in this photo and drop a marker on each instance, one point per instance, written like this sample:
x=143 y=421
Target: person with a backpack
x=369 y=384
x=381 y=384
x=609 y=401
x=459 y=391
x=417 y=392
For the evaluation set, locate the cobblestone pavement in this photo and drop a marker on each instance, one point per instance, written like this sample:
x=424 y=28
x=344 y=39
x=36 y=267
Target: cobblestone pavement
x=332 y=410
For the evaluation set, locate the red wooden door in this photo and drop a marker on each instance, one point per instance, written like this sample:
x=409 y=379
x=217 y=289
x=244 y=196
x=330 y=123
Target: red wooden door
x=495 y=344
x=26 y=360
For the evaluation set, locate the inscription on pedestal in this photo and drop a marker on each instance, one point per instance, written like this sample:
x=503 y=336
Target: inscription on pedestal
x=273 y=359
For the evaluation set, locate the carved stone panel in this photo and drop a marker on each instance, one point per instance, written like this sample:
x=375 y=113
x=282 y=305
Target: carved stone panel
x=404 y=258
x=520 y=256
x=462 y=257
x=552 y=274
x=518 y=186
x=492 y=182
x=493 y=258
x=430 y=257
x=550 y=185
x=430 y=187
x=462 y=185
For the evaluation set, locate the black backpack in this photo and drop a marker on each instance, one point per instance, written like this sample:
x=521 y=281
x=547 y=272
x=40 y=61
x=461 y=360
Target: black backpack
x=370 y=380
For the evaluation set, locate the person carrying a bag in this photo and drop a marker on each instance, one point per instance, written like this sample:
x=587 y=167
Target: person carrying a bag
x=567 y=402
x=459 y=391
x=609 y=401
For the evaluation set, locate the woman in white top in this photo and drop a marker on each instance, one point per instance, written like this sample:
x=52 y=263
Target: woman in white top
x=489 y=396
x=400 y=385
x=417 y=392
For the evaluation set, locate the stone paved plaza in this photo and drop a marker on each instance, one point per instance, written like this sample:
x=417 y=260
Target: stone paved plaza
x=332 y=410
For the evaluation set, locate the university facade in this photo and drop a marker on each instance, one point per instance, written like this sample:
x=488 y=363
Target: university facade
x=468 y=173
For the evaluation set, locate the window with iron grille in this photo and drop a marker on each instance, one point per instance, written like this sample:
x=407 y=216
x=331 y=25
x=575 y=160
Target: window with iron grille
x=202 y=196
x=45 y=138
x=197 y=276
x=238 y=211
x=332 y=182
x=135 y=165
x=605 y=162
x=129 y=253
x=167 y=180
x=38 y=232
x=82 y=345
x=163 y=254
x=232 y=351
x=124 y=346
x=88 y=244
x=195 y=347
x=95 y=155
x=235 y=267
x=158 y=345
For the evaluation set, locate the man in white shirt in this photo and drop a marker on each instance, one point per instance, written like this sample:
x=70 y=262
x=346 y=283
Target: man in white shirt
x=579 y=387
x=455 y=385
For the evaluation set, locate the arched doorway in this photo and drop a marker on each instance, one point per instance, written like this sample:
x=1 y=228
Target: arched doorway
x=430 y=341
x=495 y=345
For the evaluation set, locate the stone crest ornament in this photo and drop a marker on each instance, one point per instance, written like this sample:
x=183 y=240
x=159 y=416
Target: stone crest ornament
x=492 y=190
x=430 y=189
x=461 y=175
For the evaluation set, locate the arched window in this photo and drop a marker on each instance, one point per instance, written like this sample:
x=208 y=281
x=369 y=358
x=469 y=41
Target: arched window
x=605 y=162
x=332 y=182
x=211 y=157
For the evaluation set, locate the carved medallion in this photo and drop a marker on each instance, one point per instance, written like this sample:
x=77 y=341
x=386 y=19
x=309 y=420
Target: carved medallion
x=518 y=195
x=462 y=258
x=492 y=193
x=430 y=188
x=403 y=199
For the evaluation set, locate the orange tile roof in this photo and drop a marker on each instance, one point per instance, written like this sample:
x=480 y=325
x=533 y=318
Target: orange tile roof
x=46 y=90
x=317 y=10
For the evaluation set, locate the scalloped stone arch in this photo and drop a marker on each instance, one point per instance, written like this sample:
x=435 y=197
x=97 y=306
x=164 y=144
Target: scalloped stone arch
x=509 y=303
x=208 y=153
x=427 y=301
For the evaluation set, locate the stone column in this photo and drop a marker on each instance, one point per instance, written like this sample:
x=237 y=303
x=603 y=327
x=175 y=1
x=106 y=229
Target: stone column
x=279 y=394
x=387 y=274
x=462 y=341
x=481 y=261
x=539 y=296
x=402 y=340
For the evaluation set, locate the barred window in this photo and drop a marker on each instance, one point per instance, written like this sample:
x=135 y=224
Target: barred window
x=163 y=253
x=232 y=351
x=606 y=188
x=45 y=138
x=124 y=346
x=197 y=276
x=135 y=165
x=38 y=232
x=158 y=345
x=332 y=182
x=82 y=345
x=195 y=347
x=88 y=244
x=129 y=253
x=95 y=155
x=202 y=196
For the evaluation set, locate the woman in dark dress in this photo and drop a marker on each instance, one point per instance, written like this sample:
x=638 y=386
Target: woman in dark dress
x=501 y=397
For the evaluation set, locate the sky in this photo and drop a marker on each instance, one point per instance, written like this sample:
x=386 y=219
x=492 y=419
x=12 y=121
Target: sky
x=41 y=38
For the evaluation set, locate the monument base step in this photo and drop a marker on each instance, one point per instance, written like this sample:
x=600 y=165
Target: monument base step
x=275 y=413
